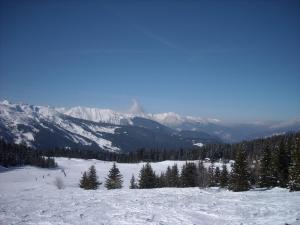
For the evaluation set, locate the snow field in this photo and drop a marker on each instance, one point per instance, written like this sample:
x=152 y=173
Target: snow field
x=28 y=196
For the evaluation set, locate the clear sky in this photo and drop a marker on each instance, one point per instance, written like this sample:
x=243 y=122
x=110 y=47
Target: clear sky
x=225 y=59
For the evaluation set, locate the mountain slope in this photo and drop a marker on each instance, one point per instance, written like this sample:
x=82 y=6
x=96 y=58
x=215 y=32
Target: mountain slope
x=86 y=128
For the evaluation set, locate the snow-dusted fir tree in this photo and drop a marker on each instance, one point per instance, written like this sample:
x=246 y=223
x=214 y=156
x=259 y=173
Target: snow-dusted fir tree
x=147 y=177
x=133 y=184
x=239 y=176
x=224 y=177
x=114 y=178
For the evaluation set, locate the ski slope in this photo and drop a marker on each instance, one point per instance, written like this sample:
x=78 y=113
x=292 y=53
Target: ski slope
x=28 y=196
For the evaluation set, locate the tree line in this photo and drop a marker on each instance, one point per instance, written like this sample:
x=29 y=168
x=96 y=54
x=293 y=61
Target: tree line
x=253 y=150
x=20 y=155
x=272 y=170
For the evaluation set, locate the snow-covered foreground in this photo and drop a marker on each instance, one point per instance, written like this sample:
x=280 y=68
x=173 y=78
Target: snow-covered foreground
x=28 y=196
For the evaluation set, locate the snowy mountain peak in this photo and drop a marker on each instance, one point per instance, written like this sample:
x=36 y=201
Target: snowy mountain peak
x=136 y=109
x=96 y=115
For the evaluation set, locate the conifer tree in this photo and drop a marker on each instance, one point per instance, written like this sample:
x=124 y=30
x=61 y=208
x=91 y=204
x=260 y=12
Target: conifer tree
x=133 y=184
x=93 y=182
x=89 y=180
x=265 y=177
x=217 y=176
x=84 y=182
x=189 y=175
x=211 y=177
x=162 y=182
x=174 y=181
x=202 y=178
x=239 y=176
x=294 y=169
x=147 y=177
x=168 y=177
x=283 y=165
x=224 y=177
x=114 y=178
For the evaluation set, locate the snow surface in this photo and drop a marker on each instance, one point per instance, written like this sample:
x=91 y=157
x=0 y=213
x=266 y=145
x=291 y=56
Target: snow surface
x=199 y=144
x=29 y=196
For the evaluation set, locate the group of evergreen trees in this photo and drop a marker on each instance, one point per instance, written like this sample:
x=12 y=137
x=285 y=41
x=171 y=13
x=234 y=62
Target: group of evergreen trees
x=20 y=155
x=281 y=166
x=89 y=179
x=275 y=169
x=192 y=175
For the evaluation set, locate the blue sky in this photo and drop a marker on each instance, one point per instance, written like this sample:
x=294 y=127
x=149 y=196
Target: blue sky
x=238 y=60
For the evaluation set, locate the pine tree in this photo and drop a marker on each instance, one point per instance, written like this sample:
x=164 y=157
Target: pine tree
x=174 y=181
x=211 y=177
x=217 y=176
x=162 y=182
x=283 y=165
x=189 y=175
x=89 y=179
x=133 y=184
x=147 y=177
x=168 y=177
x=294 y=169
x=114 y=178
x=202 y=178
x=84 y=182
x=239 y=176
x=224 y=177
x=265 y=177
x=93 y=178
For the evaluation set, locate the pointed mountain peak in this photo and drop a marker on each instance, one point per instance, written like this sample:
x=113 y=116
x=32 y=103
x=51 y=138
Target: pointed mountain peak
x=136 y=108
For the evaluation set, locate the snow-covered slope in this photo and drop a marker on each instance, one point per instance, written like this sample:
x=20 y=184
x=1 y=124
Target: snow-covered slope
x=25 y=123
x=28 y=196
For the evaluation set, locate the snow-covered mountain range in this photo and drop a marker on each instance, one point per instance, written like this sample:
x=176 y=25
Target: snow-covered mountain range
x=93 y=128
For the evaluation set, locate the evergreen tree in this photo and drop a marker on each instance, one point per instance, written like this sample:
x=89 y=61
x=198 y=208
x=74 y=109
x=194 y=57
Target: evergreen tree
x=202 y=173
x=224 y=177
x=114 y=178
x=211 y=177
x=84 y=182
x=189 y=175
x=168 y=177
x=294 y=170
x=133 y=184
x=147 y=177
x=283 y=165
x=265 y=177
x=217 y=176
x=93 y=182
x=174 y=180
x=239 y=176
x=162 y=182
x=89 y=180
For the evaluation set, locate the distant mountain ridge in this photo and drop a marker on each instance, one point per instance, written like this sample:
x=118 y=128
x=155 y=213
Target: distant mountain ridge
x=105 y=129
x=88 y=128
